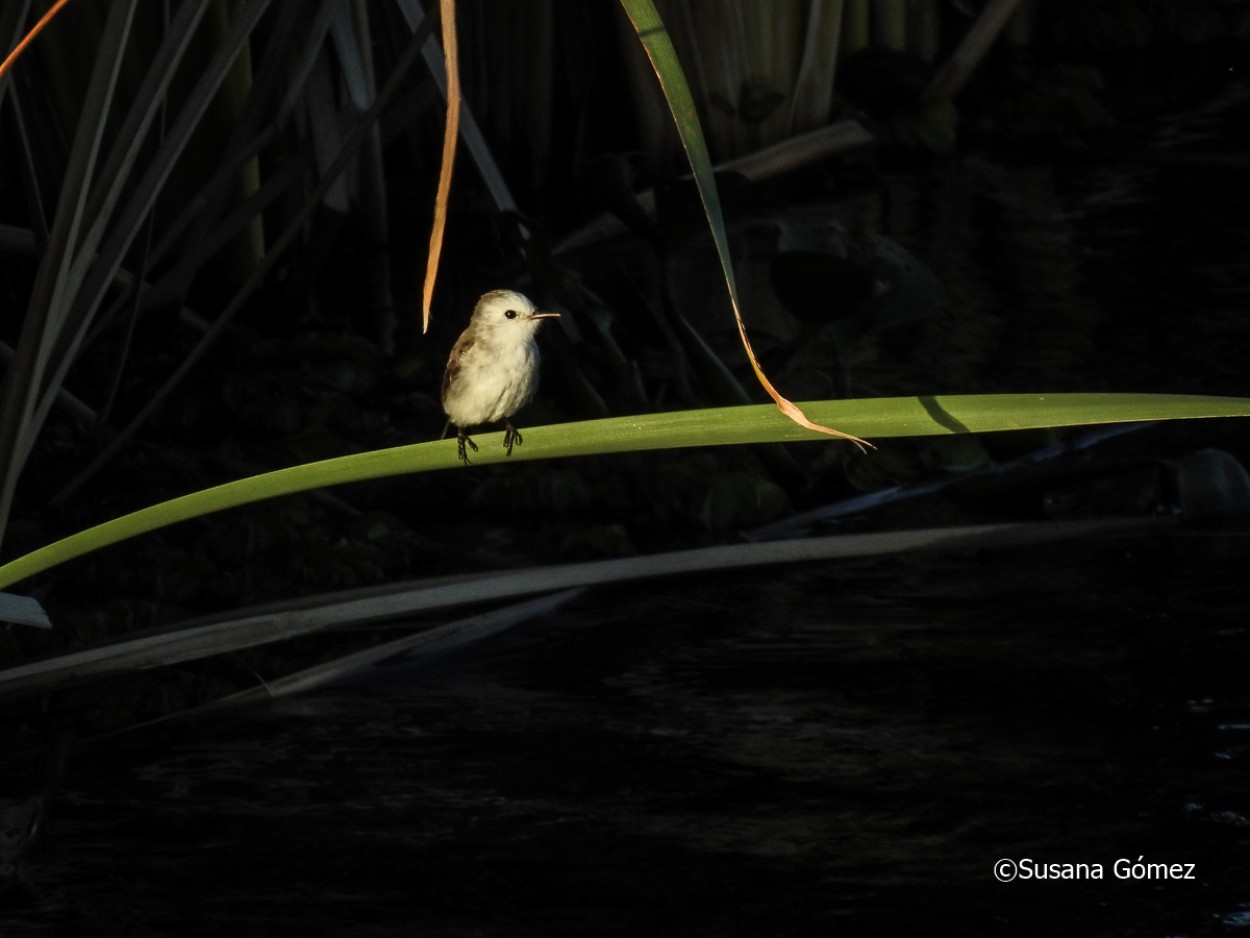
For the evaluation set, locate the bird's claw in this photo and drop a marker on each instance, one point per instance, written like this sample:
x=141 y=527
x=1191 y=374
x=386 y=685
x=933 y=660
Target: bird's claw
x=511 y=437
x=463 y=439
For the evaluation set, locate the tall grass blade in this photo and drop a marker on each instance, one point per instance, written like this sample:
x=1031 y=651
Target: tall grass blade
x=147 y=102
x=220 y=634
x=289 y=236
x=129 y=222
x=35 y=201
x=53 y=294
x=952 y=76
x=889 y=22
x=811 y=102
x=276 y=80
x=421 y=646
x=659 y=47
x=856 y=31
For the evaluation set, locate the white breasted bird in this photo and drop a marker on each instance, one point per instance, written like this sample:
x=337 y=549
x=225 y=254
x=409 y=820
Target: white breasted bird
x=493 y=368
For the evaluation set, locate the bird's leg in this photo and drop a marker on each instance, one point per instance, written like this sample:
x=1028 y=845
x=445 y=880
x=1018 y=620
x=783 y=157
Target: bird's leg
x=462 y=439
x=511 y=437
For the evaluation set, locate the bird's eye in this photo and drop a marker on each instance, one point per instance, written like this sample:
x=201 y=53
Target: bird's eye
x=510 y=314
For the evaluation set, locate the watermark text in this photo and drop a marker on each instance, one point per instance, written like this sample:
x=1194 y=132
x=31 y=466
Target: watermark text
x=1126 y=868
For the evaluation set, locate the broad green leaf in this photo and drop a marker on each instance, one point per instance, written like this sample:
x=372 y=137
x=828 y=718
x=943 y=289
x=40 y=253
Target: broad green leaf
x=760 y=423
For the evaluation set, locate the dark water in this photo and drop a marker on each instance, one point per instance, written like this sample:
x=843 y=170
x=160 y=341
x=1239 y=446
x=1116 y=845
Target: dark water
x=842 y=751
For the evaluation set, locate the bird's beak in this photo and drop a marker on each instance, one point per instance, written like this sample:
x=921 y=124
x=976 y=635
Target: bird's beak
x=538 y=315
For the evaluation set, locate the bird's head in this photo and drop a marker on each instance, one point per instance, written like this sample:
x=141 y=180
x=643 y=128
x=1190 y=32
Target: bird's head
x=505 y=315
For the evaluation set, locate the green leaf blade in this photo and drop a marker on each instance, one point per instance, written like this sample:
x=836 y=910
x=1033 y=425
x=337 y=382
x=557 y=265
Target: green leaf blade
x=753 y=424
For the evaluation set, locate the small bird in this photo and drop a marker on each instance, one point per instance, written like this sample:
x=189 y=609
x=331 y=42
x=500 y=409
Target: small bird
x=493 y=368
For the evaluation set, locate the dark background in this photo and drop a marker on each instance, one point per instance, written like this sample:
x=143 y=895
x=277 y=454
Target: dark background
x=848 y=749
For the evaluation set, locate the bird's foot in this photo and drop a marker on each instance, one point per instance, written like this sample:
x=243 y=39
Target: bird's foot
x=462 y=440
x=511 y=437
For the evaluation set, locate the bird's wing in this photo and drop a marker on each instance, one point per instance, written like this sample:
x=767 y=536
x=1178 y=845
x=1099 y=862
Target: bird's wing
x=455 y=362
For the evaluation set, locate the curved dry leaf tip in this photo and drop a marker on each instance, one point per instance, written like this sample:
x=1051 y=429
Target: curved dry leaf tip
x=784 y=404
x=451 y=134
x=791 y=410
